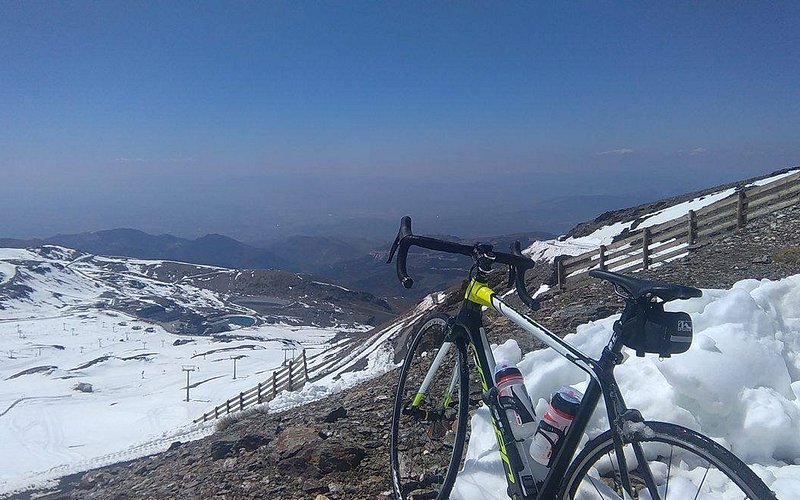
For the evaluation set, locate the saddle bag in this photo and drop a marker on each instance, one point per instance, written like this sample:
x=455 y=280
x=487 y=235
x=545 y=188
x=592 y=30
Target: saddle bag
x=655 y=331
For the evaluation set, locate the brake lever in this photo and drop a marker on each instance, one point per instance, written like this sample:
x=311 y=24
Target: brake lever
x=395 y=245
x=512 y=275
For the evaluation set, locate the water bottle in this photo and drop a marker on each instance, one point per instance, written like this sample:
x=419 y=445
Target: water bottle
x=554 y=424
x=513 y=397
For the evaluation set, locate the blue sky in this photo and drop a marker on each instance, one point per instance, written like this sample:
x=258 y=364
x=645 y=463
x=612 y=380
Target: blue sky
x=119 y=113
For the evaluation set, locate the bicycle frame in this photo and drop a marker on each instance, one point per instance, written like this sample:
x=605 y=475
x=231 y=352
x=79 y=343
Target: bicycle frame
x=468 y=327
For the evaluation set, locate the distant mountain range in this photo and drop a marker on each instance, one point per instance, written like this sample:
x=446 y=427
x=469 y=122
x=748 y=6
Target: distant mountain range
x=356 y=262
x=212 y=249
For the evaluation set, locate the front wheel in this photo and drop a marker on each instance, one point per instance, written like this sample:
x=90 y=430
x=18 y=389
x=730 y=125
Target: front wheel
x=678 y=464
x=429 y=423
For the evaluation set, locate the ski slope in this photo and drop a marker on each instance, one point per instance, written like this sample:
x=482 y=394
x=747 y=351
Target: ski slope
x=66 y=335
x=60 y=331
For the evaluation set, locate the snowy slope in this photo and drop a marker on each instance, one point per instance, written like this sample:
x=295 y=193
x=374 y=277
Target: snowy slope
x=738 y=383
x=550 y=249
x=62 y=323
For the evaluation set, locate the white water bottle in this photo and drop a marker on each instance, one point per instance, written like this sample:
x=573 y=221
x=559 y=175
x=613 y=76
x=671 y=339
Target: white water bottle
x=513 y=397
x=554 y=424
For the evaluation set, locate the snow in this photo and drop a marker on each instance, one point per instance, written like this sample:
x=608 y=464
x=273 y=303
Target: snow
x=7 y=272
x=139 y=386
x=429 y=301
x=16 y=254
x=66 y=332
x=331 y=285
x=550 y=249
x=774 y=178
x=739 y=383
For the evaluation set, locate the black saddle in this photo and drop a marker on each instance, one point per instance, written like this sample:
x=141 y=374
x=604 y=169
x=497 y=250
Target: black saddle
x=638 y=288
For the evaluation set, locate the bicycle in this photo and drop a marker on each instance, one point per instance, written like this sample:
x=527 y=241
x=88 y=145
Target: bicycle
x=635 y=458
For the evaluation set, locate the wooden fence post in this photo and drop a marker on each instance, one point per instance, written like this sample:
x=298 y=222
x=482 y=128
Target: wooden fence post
x=241 y=401
x=646 y=240
x=560 y=275
x=216 y=412
x=305 y=366
x=290 y=374
x=602 y=257
x=274 y=383
x=741 y=209
x=259 y=393
x=228 y=406
x=692 y=222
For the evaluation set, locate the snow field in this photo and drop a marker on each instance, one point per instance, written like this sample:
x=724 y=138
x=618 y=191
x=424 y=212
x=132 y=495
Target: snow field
x=739 y=383
x=137 y=407
x=53 y=430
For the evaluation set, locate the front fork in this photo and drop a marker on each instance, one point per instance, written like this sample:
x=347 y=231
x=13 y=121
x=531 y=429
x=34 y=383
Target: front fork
x=437 y=362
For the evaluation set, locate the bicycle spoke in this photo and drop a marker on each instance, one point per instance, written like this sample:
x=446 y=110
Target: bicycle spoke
x=676 y=460
x=701 y=482
x=591 y=480
x=669 y=469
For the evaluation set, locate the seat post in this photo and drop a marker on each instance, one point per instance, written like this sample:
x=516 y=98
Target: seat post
x=615 y=344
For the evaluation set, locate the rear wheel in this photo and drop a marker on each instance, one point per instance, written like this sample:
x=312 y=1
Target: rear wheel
x=429 y=430
x=678 y=464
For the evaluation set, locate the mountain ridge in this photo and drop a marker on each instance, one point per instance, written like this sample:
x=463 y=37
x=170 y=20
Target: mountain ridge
x=357 y=263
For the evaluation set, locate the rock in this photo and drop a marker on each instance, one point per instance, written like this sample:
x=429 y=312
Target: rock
x=143 y=470
x=321 y=497
x=335 y=415
x=764 y=259
x=294 y=439
x=335 y=455
x=175 y=445
x=313 y=486
x=250 y=442
x=93 y=479
x=221 y=449
x=229 y=463
x=83 y=387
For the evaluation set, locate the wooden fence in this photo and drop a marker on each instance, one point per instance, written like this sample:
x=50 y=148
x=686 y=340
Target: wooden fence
x=675 y=238
x=292 y=376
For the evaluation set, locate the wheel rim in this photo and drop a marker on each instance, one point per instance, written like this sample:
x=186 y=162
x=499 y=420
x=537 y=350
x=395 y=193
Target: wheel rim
x=679 y=471
x=424 y=438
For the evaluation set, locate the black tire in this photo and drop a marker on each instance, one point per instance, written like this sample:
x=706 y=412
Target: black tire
x=675 y=453
x=427 y=449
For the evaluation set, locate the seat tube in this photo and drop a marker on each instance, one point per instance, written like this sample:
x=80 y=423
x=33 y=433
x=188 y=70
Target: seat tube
x=487 y=350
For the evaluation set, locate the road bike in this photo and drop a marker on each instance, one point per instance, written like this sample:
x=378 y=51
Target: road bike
x=634 y=459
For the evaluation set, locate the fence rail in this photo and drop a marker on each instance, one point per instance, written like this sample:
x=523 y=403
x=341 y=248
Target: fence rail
x=677 y=237
x=292 y=376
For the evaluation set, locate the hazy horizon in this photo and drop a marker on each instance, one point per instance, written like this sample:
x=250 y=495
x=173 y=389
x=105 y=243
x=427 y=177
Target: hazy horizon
x=262 y=120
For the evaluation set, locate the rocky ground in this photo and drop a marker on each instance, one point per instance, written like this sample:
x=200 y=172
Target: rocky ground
x=338 y=447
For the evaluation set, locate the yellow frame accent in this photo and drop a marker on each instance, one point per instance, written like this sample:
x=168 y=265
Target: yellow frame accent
x=479 y=293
